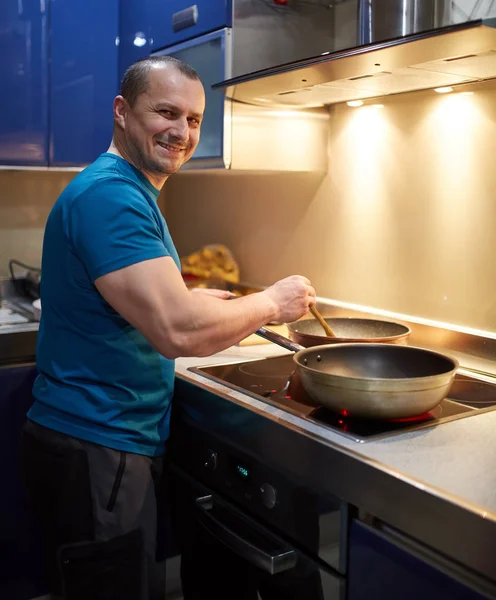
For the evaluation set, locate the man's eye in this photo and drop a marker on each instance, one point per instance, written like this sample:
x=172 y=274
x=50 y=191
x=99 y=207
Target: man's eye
x=167 y=113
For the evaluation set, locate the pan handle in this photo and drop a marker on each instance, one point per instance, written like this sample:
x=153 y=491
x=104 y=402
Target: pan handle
x=279 y=339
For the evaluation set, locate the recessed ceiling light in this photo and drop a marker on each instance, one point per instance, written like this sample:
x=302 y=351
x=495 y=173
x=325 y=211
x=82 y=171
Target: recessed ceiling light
x=139 y=39
x=355 y=103
x=377 y=105
x=466 y=93
x=443 y=90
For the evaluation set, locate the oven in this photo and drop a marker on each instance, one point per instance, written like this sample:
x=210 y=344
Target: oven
x=246 y=527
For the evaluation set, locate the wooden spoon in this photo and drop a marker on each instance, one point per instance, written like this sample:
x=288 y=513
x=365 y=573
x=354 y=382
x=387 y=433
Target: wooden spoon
x=322 y=321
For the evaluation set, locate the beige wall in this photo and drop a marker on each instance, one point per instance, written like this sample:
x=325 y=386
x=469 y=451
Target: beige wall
x=25 y=201
x=405 y=220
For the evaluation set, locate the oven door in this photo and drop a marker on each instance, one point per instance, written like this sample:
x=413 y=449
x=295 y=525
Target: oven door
x=226 y=553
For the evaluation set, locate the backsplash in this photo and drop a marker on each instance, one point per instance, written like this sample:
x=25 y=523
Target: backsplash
x=404 y=220
x=25 y=201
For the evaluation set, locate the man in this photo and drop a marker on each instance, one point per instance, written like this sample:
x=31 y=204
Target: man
x=115 y=313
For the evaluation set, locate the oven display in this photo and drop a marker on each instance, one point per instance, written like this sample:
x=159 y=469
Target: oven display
x=240 y=469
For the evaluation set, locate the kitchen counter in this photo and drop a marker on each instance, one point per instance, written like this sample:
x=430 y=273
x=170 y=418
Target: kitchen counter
x=452 y=467
x=18 y=328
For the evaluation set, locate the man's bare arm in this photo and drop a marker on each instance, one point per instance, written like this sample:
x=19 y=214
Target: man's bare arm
x=151 y=296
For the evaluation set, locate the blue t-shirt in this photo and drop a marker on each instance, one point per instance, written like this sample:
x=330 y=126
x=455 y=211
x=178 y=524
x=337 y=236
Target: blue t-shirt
x=100 y=379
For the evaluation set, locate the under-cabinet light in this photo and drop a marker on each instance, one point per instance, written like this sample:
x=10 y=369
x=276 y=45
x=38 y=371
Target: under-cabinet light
x=443 y=90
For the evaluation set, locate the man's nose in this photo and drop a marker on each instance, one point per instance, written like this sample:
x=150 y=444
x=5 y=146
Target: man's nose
x=180 y=130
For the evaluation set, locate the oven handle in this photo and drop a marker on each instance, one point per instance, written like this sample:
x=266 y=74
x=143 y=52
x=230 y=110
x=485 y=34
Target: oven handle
x=282 y=559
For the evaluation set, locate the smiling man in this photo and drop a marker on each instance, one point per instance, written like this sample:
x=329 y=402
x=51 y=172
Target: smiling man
x=115 y=314
x=158 y=118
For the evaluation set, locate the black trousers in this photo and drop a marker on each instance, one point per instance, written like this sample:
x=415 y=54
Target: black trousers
x=98 y=510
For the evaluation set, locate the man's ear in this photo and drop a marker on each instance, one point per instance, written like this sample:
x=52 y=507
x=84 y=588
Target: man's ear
x=120 y=111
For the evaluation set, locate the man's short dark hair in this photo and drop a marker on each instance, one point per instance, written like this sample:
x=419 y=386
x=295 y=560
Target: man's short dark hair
x=135 y=80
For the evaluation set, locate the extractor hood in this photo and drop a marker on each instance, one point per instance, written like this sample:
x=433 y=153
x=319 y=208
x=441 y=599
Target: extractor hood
x=447 y=56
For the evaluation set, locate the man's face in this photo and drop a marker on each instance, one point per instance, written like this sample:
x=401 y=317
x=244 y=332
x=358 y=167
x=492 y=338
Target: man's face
x=162 y=129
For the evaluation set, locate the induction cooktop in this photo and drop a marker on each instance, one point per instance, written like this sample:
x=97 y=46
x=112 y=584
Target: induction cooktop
x=274 y=380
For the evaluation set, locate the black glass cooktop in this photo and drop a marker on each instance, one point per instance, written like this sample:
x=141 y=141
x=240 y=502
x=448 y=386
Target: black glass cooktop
x=274 y=380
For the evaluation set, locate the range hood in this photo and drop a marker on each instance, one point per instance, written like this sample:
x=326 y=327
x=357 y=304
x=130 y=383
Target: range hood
x=447 y=56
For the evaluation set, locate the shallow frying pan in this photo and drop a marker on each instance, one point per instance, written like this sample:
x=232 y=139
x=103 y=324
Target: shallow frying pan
x=309 y=332
x=373 y=381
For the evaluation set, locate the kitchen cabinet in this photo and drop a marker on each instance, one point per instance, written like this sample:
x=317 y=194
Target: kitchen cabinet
x=24 y=77
x=174 y=21
x=382 y=566
x=21 y=574
x=83 y=79
x=134 y=33
x=59 y=74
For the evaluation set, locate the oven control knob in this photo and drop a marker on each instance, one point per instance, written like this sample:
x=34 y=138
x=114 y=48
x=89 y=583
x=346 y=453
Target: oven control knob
x=269 y=495
x=211 y=461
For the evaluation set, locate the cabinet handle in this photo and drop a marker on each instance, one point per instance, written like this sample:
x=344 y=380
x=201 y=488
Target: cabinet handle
x=185 y=18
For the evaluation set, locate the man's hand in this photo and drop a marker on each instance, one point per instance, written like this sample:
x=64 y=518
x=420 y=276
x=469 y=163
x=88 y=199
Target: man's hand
x=292 y=296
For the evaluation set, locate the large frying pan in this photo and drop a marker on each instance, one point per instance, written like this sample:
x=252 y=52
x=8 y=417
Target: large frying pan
x=373 y=381
x=309 y=332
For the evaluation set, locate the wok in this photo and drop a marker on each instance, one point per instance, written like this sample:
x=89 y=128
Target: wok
x=372 y=381
x=309 y=332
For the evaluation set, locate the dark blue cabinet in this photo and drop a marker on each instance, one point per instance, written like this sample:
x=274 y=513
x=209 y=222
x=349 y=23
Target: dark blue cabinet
x=24 y=81
x=381 y=568
x=134 y=33
x=83 y=78
x=21 y=574
x=59 y=74
x=174 y=21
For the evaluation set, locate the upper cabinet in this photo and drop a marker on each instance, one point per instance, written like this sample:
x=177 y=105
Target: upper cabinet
x=174 y=21
x=83 y=79
x=24 y=77
x=134 y=33
x=59 y=77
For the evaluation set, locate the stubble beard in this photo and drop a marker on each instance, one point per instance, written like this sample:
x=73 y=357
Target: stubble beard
x=147 y=164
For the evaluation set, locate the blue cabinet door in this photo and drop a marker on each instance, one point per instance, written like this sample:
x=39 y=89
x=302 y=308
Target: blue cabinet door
x=134 y=33
x=23 y=76
x=380 y=568
x=83 y=78
x=174 y=21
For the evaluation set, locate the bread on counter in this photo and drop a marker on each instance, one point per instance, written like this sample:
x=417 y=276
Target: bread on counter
x=212 y=262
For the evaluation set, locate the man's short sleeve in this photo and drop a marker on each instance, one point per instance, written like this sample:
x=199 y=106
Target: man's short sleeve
x=112 y=225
